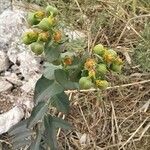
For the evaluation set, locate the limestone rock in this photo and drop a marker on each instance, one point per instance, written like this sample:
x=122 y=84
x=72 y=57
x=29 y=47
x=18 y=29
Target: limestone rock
x=30 y=84
x=4 y=4
x=13 y=78
x=11 y=27
x=10 y=118
x=4 y=85
x=28 y=65
x=10 y=41
x=4 y=62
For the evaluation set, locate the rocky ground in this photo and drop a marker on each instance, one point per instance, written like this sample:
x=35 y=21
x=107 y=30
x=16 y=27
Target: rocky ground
x=19 y=68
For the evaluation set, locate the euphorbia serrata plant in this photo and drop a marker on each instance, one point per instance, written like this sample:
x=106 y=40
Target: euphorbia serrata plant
x=63 y=70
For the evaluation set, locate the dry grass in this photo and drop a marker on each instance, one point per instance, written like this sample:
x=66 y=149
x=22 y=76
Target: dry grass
x=114 y=119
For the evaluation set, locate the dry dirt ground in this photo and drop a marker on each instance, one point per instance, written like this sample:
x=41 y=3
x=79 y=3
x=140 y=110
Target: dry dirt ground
x=115 y=119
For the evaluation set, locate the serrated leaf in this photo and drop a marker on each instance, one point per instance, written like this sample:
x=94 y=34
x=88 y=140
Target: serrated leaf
x=40 y=86
x=61 y=102
x=37 y=114
x=60 y=123
x=35 y=145
x=62 y=78
x=21 y=143
x=19 y=136
x=52 y=52
x=50 y=133
x=19 y=127
x=45 y=89
x=49 y=70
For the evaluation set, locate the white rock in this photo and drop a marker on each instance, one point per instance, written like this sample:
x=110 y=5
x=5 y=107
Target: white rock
x=28 y=64
x=11 y=26
x=10 y=40
x=4 y=4
x=4 y=62
x=29 y=86
x=7 y=73
x=13 y=78
x=74 y=34
x=15 y=69
x=10 y=118
x=4 y=85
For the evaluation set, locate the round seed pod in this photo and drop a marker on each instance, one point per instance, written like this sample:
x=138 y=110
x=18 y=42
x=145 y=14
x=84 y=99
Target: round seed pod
x=101 y=68
x=29 y=37
x=37 y=48
x=51 y=11
x=99 y=49
x=46 y=23
x=102 y=84
x=85 y=83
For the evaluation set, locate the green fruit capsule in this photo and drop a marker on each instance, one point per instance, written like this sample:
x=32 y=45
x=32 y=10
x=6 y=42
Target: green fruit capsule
x=46 y=23
x=29 y=37
x=112 y=53
x=35 y=18
x=37 y=48
x=116 y=68
x=102 y=84
x=43 y=36
x=102 y=68
x=51 y=11
x=99 y=49
x=85 y=83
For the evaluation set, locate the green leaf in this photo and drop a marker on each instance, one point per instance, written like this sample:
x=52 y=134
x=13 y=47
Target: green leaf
x=40 y=86
x=75 y=69
x=21 y=143
x=35 y=145
x=61 y=102
x=52 y=52
x=20 y=135
x=51 y=124
x=50 y=133
x=18 y=128
x=37 y=113
x=49 y=70
x=62 y=78
x=60 y=123
x=45 y=89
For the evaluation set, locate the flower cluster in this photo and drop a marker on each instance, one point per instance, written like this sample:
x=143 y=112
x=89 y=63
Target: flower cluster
x=45 y=35
x=44 y=29
x=104 y=60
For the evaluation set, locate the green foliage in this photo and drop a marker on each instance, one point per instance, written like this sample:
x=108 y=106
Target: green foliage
x=19 y=134
x=44 y=93
x=35 y=145
x=61 y=102
x=63 y=80
x=62 y=71
x=49 y=70
x=37 y=114
x=51 y=124
x=142 y=50
x=52 y=52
